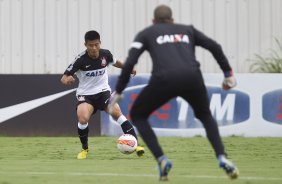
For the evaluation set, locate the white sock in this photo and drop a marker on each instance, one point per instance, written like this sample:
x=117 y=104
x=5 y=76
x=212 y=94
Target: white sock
x=82 y=126
x=121 y=119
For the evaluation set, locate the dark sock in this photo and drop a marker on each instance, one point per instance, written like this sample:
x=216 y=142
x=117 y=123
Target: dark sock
x=211 y=128
x=127 y=128
x=83 y=136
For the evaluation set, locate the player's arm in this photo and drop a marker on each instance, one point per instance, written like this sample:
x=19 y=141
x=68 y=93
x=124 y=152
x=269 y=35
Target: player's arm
x=119 y=64
x=68 y=76
x=67 y=79
x=217 y=52
x=137 y=48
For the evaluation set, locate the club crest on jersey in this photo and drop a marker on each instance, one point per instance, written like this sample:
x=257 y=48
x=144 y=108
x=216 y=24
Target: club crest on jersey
x=173 y=38
x=104 y=62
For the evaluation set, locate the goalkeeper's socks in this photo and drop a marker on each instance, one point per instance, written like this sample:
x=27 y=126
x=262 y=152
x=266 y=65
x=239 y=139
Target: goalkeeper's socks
x=127 y=128
x=83 y=134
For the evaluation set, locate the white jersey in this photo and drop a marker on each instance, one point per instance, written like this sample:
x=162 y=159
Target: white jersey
x=92 y=73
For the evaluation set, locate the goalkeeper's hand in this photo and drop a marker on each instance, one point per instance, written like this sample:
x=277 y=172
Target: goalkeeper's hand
x=115 y=98
x=229 y=81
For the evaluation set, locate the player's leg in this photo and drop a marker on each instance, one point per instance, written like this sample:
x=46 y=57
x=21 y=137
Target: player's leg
x=198 y=99
x=148 y=101
x=84 y=112
x=126 y=126
x=116 y=114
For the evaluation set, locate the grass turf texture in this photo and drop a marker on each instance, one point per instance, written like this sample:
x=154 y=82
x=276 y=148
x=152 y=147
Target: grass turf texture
x=53 y=161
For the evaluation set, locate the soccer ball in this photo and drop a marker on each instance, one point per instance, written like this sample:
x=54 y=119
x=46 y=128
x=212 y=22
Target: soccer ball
x=126 y=143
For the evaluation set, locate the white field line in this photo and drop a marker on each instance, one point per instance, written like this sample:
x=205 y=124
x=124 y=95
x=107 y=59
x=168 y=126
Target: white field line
x=136 y=175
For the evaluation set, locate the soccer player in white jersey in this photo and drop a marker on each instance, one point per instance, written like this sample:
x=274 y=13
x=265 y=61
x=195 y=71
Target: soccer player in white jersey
x=93 y=92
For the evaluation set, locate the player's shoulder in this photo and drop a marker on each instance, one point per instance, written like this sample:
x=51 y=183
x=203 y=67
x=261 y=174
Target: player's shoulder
x=80 y=56
x=185 y=26
x=147 y=30
x=105 y=52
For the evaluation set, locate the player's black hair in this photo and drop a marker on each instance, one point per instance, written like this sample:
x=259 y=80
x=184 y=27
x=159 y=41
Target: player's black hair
x=91 y=35
x=163 y=13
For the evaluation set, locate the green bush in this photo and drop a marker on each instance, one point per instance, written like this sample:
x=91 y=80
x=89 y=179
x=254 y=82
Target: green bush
x=269 y=64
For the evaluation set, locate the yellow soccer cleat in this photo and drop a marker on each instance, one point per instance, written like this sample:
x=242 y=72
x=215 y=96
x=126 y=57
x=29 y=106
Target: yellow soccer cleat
x=140 y=151
x=82 y=154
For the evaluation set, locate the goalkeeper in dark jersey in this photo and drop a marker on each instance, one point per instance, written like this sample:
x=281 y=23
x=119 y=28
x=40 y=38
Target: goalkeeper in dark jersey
x=93 y=92
x=176 y=72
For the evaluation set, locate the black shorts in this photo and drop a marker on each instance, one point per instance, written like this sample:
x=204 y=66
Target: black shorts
x=98 y=101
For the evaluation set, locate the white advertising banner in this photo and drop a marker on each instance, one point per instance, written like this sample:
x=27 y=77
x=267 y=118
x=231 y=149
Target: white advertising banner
x=252 y=109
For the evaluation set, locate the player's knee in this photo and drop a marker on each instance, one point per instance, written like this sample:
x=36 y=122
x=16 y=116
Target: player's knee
x=83 y=119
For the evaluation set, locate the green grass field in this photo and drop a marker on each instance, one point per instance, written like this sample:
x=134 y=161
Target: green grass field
x=53 y=161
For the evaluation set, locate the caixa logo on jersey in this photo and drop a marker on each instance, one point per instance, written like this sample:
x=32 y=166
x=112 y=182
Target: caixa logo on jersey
x=272 y=106
x=227 y=108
